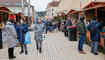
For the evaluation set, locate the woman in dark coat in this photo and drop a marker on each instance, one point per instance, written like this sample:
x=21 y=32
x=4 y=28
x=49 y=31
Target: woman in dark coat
x=22 y=29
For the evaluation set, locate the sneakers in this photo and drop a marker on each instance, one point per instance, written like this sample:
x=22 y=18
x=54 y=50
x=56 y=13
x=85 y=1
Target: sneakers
x=82 y=52
x=92 y=51
x=95 y=53
x=21 y=52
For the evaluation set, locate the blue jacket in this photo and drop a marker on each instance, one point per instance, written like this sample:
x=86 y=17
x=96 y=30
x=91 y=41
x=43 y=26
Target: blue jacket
x=95 y=37
x=21 y=31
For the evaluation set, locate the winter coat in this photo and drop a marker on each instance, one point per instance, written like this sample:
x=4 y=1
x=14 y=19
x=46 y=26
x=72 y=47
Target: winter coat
x=39 y=29
x=95 y=37
x=23 y=30
x=10 y=35
x=19 y=33
x=81 y=28
x=103 y=30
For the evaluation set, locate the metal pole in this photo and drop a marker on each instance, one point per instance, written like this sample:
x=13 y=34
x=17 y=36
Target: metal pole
x=28 y=12
x=23 y=7
x=1 y=46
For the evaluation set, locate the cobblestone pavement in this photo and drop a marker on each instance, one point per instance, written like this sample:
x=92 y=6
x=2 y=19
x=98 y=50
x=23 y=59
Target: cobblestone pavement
x=55 y=47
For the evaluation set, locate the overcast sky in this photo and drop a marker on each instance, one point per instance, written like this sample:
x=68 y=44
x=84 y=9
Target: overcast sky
x=40 y=5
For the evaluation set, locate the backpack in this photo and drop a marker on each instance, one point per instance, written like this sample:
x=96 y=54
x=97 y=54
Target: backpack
x=93 y=29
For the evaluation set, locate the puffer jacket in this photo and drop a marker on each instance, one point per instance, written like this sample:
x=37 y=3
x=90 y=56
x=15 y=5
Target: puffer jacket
x=39 y=29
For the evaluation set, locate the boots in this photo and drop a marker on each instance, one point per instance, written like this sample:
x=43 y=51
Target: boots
x=40 y=50
x=26 y=53
x=37 y=47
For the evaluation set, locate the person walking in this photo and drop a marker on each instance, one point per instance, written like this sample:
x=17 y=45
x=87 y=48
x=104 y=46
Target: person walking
x=11 y=37
x=59 y=25
x=94 y=27
x=46 y=24
x=82 y=34
x=22 y=30
x=39 y=29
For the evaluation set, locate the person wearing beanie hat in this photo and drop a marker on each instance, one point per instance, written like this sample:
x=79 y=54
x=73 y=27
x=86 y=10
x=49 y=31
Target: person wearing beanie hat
x=82 y=34
x=11 y=36
x=24 y=30
x=39 y=29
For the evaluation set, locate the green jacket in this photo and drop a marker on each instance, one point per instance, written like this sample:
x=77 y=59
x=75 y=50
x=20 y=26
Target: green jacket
x=81 y=28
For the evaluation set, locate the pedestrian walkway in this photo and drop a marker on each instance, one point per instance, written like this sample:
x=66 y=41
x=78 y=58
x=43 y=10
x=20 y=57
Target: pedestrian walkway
x=55 y=47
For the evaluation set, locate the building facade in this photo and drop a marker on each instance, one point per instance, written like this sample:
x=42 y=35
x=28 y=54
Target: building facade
x=16 y=6
x=51 y=8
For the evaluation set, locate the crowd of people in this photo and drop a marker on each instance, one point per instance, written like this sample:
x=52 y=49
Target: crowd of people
x=94 y=27
x=15 y=32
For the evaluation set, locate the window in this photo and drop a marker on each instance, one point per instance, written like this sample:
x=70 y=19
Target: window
x=18 y=3
x=6 y=3
x=0 y=3
x=52 y=14
x=52 y=9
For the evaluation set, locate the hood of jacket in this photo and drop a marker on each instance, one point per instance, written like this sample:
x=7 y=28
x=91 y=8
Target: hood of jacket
x=9 y=23
x=94 y=22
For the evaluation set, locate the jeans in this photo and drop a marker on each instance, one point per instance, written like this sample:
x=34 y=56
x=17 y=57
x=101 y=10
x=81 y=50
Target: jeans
x=94 y=46
x=11 y=52
x=82 y=38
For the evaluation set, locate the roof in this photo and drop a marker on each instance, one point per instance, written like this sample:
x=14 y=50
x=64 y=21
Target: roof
x=95 y=4
x=53 y=4
x=5 y=9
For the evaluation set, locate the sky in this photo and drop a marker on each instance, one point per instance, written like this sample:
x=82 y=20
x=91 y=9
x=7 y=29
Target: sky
x=40 y=5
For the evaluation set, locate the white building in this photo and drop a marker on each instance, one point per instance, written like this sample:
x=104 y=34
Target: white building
x=51 y=8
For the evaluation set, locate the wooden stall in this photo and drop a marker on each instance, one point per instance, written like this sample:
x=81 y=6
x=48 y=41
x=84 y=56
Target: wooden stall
x=95 y=8
x=4 y=12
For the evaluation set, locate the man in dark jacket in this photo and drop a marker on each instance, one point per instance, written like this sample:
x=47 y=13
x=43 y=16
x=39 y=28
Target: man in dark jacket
x=82 y=34
x=68 y=23
x=95 y=37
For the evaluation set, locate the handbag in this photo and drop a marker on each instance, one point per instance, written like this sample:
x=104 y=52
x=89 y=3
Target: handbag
x=27 y=38
x=43 y=36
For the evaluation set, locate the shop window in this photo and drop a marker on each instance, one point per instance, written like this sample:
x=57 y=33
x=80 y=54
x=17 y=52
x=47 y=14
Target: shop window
x=6 y=3
x=0 y=3
x=18 y=3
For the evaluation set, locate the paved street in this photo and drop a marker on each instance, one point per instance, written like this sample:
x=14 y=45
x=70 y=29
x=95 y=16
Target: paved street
x=55 y=47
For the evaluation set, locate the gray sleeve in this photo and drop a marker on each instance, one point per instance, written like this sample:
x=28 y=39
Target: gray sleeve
x=35 y=28
x=13 y=31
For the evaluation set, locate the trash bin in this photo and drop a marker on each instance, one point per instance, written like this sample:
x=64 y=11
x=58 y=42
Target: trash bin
x=72 y=33
x=1 y=38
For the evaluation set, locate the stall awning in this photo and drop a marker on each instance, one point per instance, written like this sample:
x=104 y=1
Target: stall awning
x=94 y=4
x=5 y=9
